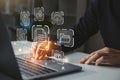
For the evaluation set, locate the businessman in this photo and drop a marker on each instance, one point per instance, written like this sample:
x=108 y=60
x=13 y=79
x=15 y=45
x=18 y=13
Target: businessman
x=103 y=16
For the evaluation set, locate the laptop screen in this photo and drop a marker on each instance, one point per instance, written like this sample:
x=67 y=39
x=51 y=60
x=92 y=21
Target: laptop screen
x=8 y=63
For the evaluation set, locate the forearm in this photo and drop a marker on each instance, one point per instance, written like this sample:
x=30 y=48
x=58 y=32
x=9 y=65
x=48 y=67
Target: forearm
x=86 y=27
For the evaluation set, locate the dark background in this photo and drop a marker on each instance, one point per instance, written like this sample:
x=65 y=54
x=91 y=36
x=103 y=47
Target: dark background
x=73 y=10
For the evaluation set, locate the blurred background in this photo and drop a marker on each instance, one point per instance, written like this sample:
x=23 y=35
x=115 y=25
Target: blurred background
x=73 y=10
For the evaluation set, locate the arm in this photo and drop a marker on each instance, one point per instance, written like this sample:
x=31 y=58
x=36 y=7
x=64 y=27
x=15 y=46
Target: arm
x=86 y=27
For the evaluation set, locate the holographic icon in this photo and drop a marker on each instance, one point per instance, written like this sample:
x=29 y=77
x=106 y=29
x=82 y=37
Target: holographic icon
x=40 y=33
x=57 y=18
x=24 y=18
x=58 y=56
x=39 y=14
x=21 y=34
x=65 y=37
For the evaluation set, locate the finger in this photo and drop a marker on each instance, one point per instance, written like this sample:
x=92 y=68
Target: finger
x=114 y=59
x=44 y=45
x=110 y=50
x=42 y=55
x=49 y=48
x=87 y=57
x=83 y=60
x=95 y=57
x=34 y=47
x=37 y=54
x=111 y=59
x=48 y=45
x=40 y=49
x=102 y=60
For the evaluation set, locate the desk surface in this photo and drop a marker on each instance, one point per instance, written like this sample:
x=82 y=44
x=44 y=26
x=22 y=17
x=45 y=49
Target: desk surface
x=90 y=72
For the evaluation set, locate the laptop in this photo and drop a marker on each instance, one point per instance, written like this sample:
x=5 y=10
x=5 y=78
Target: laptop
x=20 y=68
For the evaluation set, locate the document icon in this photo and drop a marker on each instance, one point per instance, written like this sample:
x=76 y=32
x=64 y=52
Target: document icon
x=65 y=37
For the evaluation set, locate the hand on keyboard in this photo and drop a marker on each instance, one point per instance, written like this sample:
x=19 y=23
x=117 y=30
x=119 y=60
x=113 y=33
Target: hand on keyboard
x=41 y=49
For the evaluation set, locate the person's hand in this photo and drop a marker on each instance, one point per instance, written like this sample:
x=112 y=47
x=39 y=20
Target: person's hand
x=105 y=55
x=43 y=49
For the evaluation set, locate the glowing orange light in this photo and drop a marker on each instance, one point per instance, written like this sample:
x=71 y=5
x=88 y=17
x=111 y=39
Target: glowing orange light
x=47 y=47
x=55 y=43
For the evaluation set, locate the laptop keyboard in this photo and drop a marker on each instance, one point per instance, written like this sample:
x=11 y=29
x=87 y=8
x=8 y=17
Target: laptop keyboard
x=30 y=69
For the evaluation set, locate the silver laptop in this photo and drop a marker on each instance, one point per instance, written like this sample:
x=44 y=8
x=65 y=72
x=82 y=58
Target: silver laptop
x=22 y=69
